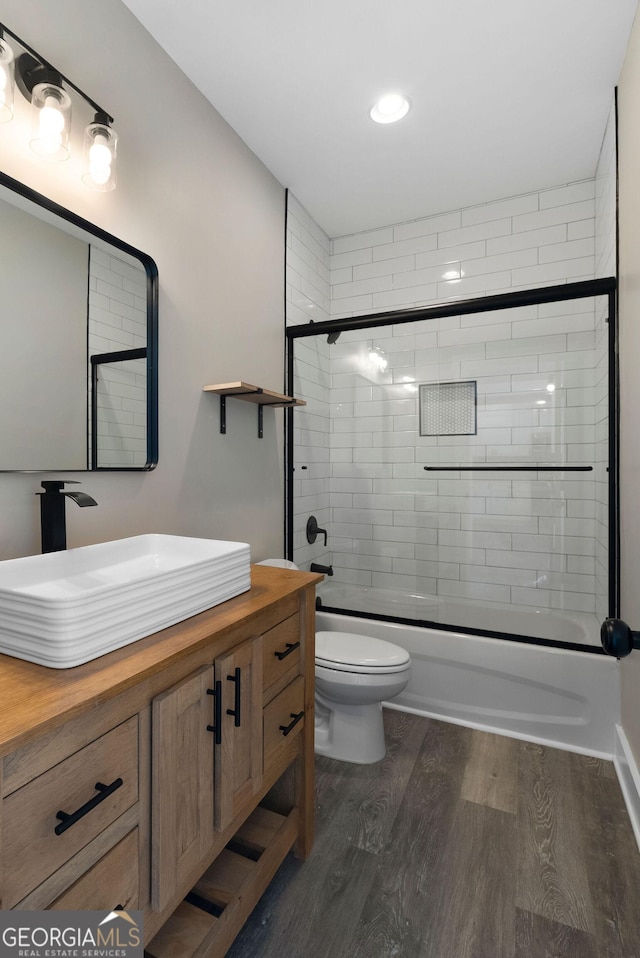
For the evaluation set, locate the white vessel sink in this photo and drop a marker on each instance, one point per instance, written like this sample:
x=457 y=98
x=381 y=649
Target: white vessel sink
x=66 y=608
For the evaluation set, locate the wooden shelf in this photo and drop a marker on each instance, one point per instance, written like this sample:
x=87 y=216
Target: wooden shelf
x=255 y=394
x=248 y=393
x=206 y=923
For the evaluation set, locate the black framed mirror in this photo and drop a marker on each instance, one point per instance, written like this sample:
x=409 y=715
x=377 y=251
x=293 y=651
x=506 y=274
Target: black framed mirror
x=78 y=342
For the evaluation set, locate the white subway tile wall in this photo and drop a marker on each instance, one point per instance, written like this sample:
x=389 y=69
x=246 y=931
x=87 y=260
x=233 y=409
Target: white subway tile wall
x=118 y=321
x=534 y=539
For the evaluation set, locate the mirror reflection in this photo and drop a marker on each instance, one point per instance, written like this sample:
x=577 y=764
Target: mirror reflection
x=78 y=341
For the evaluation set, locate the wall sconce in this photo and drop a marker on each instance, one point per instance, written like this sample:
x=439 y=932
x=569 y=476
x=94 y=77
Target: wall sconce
x=45 y=88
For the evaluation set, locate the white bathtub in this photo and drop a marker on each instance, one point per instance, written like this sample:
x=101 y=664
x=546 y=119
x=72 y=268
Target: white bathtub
x=576 y=628
x=558 y=697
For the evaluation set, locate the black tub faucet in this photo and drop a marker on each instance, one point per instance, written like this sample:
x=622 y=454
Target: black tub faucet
x=52 y=515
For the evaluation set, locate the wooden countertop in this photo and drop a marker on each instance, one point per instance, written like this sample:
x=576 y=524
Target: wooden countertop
x=34 y=699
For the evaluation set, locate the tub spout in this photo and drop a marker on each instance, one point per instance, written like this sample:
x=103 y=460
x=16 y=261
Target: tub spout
x=324 y=569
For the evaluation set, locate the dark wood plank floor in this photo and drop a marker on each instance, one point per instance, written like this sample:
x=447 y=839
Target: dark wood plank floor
x=459 y=844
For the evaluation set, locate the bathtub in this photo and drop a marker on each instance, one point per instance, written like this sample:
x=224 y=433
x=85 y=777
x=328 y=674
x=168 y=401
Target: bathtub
x=578 y=629
x=554 y=696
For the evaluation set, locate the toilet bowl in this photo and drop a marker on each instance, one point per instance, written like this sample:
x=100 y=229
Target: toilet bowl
x=354 y=675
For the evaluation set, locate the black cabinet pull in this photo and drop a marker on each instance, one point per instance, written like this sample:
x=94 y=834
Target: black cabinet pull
x=296 y=716
x=235 y=711
x=216 y=728
x=69 y=819
x=288 y=649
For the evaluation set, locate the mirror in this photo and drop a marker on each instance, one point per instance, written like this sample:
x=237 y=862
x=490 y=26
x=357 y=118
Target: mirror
x=78 y=342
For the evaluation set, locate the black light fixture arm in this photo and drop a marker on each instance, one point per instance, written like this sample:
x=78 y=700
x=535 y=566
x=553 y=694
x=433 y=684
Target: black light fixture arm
x=29 y=74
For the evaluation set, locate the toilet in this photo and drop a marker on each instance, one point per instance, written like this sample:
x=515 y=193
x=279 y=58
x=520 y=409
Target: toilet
x=354 y=675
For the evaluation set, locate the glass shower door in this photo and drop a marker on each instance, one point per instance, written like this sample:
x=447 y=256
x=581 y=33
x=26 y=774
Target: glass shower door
x=461 y=467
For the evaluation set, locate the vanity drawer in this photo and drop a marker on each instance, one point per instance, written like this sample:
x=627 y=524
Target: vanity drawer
x=112 y=882
x=30 y=814
x=280 y=655
x=283 y=720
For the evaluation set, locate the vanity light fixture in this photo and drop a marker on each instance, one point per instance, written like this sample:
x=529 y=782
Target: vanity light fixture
x=48 y=92
x=389 y=108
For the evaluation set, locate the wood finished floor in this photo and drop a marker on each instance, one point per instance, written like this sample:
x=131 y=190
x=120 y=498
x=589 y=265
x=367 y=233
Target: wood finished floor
x=459 y=844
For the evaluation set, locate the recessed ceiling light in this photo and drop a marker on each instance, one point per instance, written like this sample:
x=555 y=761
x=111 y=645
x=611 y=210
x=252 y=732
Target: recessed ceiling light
x=389 y=108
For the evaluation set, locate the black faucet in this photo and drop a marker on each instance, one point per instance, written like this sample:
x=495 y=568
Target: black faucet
x=324 y=569
x=52 y=515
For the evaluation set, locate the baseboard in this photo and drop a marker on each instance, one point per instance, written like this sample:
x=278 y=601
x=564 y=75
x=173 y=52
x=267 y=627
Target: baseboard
x=629 y=778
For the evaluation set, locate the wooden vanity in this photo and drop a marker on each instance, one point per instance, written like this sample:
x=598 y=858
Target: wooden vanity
x=178 y=768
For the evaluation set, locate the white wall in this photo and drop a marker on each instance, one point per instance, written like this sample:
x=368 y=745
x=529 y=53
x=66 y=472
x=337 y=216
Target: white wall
x=629 y=206
x=199 y=202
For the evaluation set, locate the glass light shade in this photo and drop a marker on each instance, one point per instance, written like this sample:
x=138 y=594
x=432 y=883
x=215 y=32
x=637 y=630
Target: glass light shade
x=7 y=81
x=100 y=157
x=51 y=107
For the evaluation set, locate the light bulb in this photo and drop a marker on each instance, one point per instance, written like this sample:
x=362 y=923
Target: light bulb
x=6 y=82
x=51 y=107
x=51 y=126
x=100 y=160
x=100 y=151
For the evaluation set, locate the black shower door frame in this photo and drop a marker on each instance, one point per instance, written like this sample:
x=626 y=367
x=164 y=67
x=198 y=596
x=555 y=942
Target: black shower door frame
x=585 y=289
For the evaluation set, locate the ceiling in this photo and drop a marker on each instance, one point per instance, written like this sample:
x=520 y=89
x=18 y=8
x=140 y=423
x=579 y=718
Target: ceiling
x=508 y=96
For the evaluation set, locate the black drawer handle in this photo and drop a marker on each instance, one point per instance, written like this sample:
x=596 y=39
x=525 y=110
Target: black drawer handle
x=216 y=728
x=235 y=711
x=288 y=649
x=67 y=820
x=296 y=716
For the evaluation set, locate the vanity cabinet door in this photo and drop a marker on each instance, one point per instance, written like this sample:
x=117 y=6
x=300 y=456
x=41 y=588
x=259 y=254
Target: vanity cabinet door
x=182 y=782
x=238 y=771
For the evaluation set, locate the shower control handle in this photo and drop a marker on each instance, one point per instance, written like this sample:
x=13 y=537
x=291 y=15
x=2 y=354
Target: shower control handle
x=617 y=638
x=313 y=530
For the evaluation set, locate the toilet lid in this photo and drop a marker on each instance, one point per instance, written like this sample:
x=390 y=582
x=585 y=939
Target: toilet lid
x=358 y=653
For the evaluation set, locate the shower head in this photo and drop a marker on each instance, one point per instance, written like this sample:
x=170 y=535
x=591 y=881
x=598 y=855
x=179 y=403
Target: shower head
x=333 y=337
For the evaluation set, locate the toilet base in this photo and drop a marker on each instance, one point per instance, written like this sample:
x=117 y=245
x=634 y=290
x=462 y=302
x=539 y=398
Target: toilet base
x=349 y=733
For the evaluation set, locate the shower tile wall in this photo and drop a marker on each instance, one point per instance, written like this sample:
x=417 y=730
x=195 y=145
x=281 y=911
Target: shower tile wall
x=533 y=240
x=505 y=537
x=502 y=537
x=308 y=294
